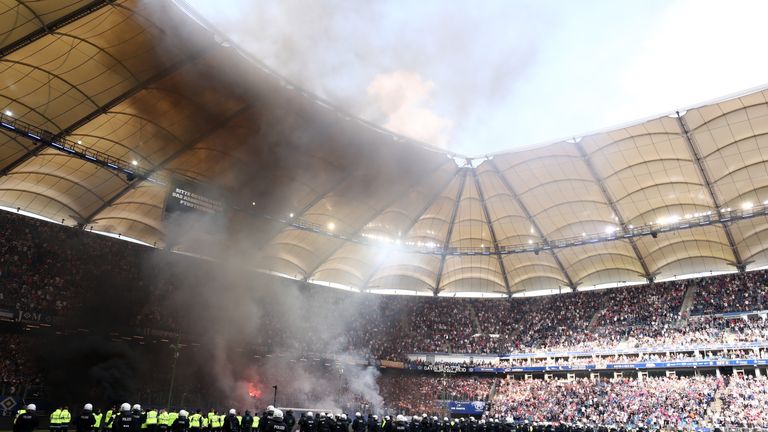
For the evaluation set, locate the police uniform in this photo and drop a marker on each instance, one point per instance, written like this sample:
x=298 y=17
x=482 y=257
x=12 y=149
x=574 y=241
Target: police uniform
x=162 y=421
x=123 y=422
x=151 y=420
x=27 y=421
x=195 y=422
x=85 y=422
x=65 y=418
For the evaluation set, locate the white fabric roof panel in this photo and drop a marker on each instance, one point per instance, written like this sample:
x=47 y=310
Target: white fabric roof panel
x=118 y=78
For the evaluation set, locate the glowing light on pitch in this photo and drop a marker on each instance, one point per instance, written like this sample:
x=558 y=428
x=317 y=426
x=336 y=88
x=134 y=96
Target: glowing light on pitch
x=254 y=391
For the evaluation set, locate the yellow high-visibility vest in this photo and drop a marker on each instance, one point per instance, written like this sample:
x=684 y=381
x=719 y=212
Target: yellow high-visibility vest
x=152 y=417
x=56 y=417
x=162 y=418
x=65 y=417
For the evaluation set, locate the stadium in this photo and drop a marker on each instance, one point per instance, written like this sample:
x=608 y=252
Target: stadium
x=189 y=232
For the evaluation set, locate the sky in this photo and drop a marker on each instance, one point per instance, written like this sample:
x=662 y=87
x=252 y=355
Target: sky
x=479 y=77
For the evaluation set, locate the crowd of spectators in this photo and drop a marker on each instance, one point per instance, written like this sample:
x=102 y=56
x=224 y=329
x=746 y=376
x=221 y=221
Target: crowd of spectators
x=733 y=292
x=439 y=323
x=45 y=267
x=744 y=402
x=417 y=394
x=652 y=402
x=17 y=373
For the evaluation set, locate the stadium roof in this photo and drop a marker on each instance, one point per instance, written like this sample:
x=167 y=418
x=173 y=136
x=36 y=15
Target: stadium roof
x=129 y=84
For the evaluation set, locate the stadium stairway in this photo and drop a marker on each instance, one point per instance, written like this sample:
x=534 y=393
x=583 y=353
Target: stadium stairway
x=685 y=308
x=492 y=393
x=717 y=405
x=595 y=319
x=475 y=321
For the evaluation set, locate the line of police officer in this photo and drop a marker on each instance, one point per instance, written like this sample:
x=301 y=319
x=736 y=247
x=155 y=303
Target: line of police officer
x=424 y=423
x=134 y=419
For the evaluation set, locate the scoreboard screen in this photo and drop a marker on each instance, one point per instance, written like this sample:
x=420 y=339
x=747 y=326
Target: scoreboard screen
x=188 y=197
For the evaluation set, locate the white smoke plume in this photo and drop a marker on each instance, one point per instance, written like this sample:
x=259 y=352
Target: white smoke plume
x=403 y=99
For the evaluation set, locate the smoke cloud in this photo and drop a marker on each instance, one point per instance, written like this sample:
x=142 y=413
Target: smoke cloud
x=403 y=98
x=255 y=330
x=431 y=72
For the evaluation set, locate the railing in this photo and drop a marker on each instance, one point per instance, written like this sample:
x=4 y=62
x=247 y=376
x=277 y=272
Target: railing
x=77 y=149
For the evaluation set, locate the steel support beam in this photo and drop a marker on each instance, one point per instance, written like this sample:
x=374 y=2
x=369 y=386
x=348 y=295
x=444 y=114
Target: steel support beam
x=614 y=208
x=359 y=228
x=53 y=26
x=105 y=108
x=492 y=230
x=170 y=158
x=410 y=226
x=531 y=220
x=163 y=73
x=447 y=241
x=31 y=152
x=706 y=180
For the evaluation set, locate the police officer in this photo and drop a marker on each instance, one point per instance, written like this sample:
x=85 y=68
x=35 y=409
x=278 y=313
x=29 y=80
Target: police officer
x=138 y=416
x=415 y=424
x=195 y=421
x=55 y=420
x=181 y=424
x=65 y=418
x=247 y=425
x=86 y=421
x=123 y=421
x=323 y=424
x=209 y=420
x=99 y=416
x=358 y=424
x=401 y=425
x=307 y=423
x=21 y=411
x=290 y=420
x=151 y=420
x=109 y=417
x=276 y=423
x=27 y=421
x=341 y=423
x=162 y=421
x=265 y=418
x=230 y=423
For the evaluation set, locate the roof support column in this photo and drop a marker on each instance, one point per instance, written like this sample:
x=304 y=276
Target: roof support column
x=707 y=182
x=410 y=226
x=450 y=228
x=612 y=204
x=532 y=221
x=359 y=229
x=487 y=215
